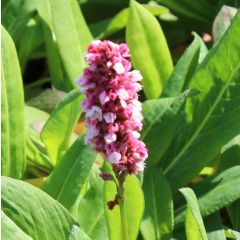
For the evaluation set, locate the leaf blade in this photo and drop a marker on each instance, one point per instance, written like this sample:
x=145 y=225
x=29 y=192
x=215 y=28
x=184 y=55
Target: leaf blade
x=146 y=41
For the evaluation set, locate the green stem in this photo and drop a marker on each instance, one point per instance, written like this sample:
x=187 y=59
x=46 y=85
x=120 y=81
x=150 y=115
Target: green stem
x=122 y=209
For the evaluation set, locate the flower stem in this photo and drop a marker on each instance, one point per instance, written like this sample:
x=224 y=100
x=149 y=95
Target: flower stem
x=122 y=208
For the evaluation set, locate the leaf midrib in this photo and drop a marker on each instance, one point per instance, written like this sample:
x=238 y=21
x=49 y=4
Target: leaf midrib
x=195 y=135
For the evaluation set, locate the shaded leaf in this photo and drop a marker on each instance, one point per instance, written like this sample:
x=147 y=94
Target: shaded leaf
x=159 y=125
x=214 y=193
x=214 y=227
x=157 y=221
x=15 y=15
x=185 y=68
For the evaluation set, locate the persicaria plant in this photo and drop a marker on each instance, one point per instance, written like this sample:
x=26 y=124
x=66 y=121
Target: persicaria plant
x=113 y=112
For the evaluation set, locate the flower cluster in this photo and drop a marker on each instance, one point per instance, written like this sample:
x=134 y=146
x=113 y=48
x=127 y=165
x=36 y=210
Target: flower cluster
x=113 y=112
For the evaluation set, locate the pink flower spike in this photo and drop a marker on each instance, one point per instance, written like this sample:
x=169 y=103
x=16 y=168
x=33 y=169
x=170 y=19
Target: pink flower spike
x=113 y=112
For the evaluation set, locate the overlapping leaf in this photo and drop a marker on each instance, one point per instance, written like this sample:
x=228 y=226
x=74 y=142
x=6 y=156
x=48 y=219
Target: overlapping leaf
x=36 y=213
x=213 y=114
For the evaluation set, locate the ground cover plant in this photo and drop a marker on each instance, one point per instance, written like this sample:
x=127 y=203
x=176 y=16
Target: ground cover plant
x=120 y=120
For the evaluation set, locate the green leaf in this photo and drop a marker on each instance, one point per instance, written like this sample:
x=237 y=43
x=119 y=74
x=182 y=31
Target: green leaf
x=134 y=206
x=66 y=37
x=214 y=227
x=193 y=224
x=35 y=151
x=185 y=67
x=12 y=122
x=36 y=213
x=213 y=115
x=92 y=219
x=10 y=230
x=148 y=45
x=157 y=221
x=223 y=21
x=15 y=15
x=214 y=194
x=159 y=125
x=57 y=131
x=234 y=214
x=67 y=179
x=119 y=21
x=46 y=100
x=30 y=40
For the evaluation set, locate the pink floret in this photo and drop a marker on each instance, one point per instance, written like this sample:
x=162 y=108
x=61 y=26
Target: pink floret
x=113 y=112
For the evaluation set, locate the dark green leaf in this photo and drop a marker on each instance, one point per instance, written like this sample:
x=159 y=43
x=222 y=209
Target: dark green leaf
x=31 y=39
x=157 y=221
x=66 y=181
x=15 y=15
x=214 y=227
x=57 y=131
x=12 y=122
x=148 y=45
x=36 y=213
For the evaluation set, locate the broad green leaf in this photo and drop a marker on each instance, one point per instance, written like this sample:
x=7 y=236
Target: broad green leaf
x=57 y=131
x=120 y=20
x=12 y=121
x=134 y=206
x=67 y=179
x=36 y=213
x=214 y=227
x=223 y=21
x=159 y=125
x=213 y=115
x=10 y=231
x=92 y=219
x=214 y=194
x=185 y=67
x=31 y=39
x=66 y=37
x=157 y=221
x=149 y=49
x=15 y=15
x=194 y=225
x=231 y=234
